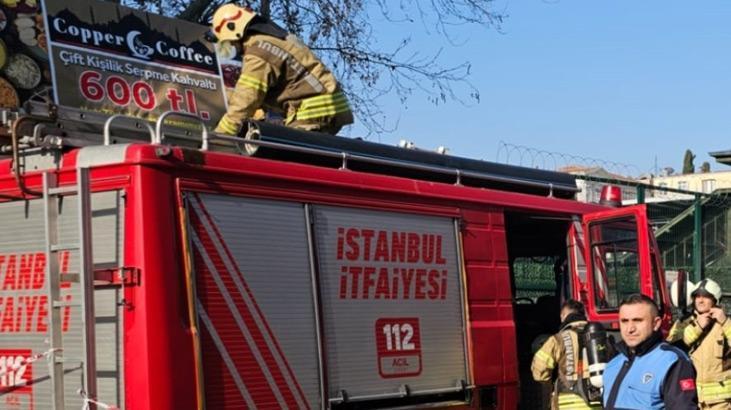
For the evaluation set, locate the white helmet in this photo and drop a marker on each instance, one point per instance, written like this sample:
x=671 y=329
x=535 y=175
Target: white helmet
x=675 y=296
x=230 y=22
x=707 y=287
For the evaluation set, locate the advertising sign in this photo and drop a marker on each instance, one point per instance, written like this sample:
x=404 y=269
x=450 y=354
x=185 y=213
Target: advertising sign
x=112 y=59
x=23 y=53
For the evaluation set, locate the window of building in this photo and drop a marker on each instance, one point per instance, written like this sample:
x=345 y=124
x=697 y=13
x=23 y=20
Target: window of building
x=683 y=185
x=709 y=185
x=629 y=193
x=662 y=192
x=596 y=194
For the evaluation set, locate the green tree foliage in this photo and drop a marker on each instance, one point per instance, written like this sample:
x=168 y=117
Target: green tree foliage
x=688 y=167
x=705 y=167
x=344 y=33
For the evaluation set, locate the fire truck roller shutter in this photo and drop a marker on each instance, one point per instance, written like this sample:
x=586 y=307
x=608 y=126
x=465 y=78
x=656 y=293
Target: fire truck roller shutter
x=254 y=301
x=24 y=324
x=391 y=298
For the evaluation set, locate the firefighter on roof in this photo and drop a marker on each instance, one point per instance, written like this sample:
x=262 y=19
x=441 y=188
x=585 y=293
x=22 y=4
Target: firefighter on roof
x=560 y=360
x=280 y=75
x=707 y=335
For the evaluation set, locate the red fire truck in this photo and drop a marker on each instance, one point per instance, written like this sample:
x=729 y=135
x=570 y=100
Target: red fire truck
x=162 y=268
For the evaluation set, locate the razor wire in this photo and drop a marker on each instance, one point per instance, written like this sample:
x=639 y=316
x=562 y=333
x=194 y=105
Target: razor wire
x=521 y=155
x=720 y=198
x=625 y=174
x=668 y=207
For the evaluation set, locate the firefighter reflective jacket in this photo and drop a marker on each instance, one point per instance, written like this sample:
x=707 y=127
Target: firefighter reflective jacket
x=711 y=355
x=283 y=76
x=563 y=352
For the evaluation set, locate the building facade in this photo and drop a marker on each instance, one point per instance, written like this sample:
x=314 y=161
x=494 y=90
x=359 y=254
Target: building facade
x=705 y=182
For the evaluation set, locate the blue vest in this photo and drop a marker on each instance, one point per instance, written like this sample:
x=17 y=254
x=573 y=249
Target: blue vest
x=641 y=386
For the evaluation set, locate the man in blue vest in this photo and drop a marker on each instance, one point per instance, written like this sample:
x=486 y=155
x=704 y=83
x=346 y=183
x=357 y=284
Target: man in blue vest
x=647 y=373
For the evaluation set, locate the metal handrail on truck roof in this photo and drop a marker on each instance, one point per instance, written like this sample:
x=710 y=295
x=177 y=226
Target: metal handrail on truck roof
x=110 y=120
x=159 y=136
x=78 y=128
x=345 y=156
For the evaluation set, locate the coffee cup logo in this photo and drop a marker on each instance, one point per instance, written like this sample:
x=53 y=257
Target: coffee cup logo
x=138 y=49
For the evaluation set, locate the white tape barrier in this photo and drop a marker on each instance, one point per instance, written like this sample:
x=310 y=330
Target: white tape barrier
x=99 y=405
x=87 y=401
x=28 y=360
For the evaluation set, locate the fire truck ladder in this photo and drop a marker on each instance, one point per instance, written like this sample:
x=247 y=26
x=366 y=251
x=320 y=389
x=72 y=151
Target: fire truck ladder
x=52 y=195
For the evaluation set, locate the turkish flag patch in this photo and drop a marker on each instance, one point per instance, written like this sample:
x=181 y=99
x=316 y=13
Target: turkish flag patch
x=687 y=384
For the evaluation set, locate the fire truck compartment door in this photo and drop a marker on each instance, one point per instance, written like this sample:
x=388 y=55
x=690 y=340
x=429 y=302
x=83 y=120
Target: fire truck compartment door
x=24 y=325
x=618 y=261
x=254 y=302
x=390 y=288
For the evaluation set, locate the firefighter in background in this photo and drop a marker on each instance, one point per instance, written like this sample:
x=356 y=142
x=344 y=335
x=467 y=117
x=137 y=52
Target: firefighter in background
x=560 y=361
x=707 y=335
x=280 y=74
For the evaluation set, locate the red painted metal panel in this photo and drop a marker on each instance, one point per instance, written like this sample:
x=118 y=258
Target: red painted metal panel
x=479 y=244
x=484 y=217
x=158 y=364
x=508 y=397
x=221 y=389
x=253 y=375
x=492 y=328
x=487 y=283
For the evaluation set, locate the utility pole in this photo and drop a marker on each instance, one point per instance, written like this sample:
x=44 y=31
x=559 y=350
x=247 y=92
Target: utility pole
x=697 y=238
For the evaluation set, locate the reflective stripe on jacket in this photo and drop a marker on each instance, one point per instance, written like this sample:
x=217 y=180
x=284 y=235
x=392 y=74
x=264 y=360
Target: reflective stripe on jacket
x=714 y=392
x=285 y=77
x=570 y=365
x=321 y=106
x=570 y=401
x=711 y=356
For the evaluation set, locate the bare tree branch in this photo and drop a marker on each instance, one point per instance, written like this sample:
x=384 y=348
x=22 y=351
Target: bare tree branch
x=342 y=33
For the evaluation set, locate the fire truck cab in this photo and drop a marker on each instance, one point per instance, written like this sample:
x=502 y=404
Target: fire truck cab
x=174 y=270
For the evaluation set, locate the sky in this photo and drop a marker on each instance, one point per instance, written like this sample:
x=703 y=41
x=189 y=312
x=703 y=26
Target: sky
x=626 y=84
